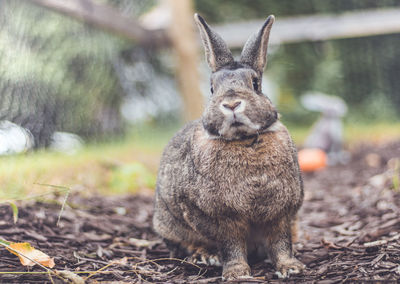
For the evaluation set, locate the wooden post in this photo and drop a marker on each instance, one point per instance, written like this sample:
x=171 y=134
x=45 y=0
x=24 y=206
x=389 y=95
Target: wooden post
x=185 y=44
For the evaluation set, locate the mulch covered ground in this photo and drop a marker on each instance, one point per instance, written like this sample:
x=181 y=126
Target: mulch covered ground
x=349 y=231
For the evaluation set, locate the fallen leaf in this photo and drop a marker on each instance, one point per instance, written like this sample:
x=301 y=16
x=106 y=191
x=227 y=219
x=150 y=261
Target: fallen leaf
x=329 y=245
x=122 y=261
x=143 y=243
x=72 y=277
x=28 y=254
x=92 y=236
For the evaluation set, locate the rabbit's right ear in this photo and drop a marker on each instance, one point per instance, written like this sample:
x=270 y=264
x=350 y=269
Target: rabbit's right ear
x=254 y=51
x=217 y=52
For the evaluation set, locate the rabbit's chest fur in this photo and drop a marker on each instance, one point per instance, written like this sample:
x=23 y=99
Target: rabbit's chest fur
x=253 y=178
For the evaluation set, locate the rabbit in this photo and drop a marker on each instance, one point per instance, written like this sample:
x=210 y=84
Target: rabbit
x=229 y=185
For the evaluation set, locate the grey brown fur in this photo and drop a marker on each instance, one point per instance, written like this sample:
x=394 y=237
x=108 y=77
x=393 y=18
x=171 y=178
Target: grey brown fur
x=229 y=185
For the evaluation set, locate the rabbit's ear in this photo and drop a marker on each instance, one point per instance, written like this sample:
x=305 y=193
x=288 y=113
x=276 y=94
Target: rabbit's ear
x=217 y=52
x=255 y=50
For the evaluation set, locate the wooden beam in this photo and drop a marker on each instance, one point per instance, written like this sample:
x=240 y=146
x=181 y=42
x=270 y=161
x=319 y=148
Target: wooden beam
x=286 y=30
x=317 y=27
x=108 y=18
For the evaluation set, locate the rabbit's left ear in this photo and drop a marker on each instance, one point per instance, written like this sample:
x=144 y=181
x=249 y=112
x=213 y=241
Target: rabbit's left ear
x=254 y=51
x=217 y=52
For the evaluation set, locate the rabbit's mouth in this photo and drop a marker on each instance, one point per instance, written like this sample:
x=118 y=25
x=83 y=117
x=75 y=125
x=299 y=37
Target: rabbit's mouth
x=237 y=124
x=237 y=128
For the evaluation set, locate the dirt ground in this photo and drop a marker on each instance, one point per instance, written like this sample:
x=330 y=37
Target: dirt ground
x=349 y=231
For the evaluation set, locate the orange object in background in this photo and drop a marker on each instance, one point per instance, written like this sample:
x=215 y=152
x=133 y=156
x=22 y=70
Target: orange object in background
x=312 y=159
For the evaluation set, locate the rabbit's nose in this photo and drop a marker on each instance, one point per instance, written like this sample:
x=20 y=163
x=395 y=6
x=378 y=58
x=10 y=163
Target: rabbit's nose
x=232 y=105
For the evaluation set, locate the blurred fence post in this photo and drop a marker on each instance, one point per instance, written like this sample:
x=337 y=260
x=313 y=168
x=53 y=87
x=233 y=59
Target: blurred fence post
x=185 y=44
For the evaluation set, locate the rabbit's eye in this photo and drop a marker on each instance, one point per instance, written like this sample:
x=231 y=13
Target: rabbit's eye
x=212 y=90
x=255 y=84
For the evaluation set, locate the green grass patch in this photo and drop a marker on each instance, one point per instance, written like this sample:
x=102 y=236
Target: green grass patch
x=377 y=132
x=124 y=166
x=354 y=132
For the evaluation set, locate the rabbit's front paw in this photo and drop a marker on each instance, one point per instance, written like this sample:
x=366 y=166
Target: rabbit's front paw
x=202 y=256
x=234 y=270
x=289 y=266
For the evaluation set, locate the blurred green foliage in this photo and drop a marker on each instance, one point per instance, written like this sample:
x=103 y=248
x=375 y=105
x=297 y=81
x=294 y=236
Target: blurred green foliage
x=131 y=177
x=364 y=71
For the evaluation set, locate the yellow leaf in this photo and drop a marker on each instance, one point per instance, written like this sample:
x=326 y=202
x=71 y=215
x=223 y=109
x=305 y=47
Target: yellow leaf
x=27 y=253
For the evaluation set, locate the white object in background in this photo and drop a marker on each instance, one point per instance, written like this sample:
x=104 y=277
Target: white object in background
x=14 y=139
x=328 y=105
x=159 y=17
x=65 y=142
x=327 y=132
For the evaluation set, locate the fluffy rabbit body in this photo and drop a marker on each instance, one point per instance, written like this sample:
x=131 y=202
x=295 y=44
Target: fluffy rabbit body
x=229 y=185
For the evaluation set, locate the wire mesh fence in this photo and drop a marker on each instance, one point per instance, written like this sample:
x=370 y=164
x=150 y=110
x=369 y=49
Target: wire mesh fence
x=56 y=74
x=59 y=74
